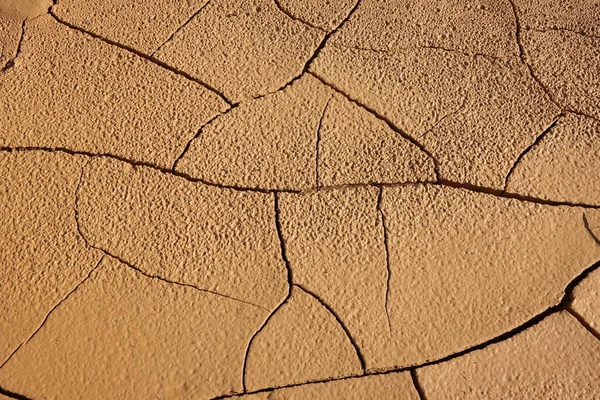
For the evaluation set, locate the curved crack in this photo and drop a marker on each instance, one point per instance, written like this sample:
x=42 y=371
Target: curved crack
x=361 y=358
x=130 y=265
x=142 y=55
x=529 y=148
x=562 y=305
x=294 y=18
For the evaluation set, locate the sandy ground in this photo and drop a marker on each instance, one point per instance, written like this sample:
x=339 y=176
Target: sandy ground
x=300 y=199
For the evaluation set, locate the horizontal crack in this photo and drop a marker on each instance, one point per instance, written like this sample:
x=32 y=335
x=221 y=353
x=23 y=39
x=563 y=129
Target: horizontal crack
x=13 y=395
x=294 y=18
x=441 y=182
x=561 y=306
x=144 y=56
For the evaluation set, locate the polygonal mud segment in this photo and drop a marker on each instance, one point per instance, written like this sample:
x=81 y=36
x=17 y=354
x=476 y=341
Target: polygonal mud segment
x=42 y=256
x=72 y=91
x=394 y=386
x=220 y=240
x=475 y=116
x=564 y=165
x=335 y=247
x=483 y=27
x=123 y=335
x=357 y=147
x=300 y=342
x=24 y=9
x=467 y=267
x=554 y=359
x=243 y=49
x=566 y=63
x=586 y=301
x=269 y=143
x=10 y=35
x=142 y=25
x=576 y=15
x=326 y=15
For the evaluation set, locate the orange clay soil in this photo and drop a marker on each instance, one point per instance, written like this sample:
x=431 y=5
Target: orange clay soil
x=299 y=199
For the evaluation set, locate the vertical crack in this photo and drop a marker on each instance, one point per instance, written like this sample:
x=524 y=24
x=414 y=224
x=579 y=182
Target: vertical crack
x=180 y=28
x=318 y=141
x=11 y=63
x=587 y=227
x=387 y=260
x=416 y=384
x=528 y=149
x=52 y=310
x=359 y=354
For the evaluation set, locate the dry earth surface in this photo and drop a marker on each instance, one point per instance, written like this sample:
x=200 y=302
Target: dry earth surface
x=300 y=199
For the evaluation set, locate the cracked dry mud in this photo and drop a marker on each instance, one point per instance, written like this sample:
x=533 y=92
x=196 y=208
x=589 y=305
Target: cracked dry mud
x=296 y=199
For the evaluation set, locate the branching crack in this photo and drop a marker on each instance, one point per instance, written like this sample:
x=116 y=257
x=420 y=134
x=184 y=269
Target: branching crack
x=11 y=63
x=386 y=120
x=387 y=260
x=523 y=58
x=529 y=148
x=317 y=143
x=440 y=182
x=415 y=382
x=563 y=305
x=130 y=265
x=180 y=28
x=294 y=18
x=24 y=343
x=144 y=56
x=359 y=354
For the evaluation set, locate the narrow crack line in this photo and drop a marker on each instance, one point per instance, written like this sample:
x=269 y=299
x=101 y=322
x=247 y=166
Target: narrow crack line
x=264 y=324
x=582 y=114
x=522 y=56
x=583 y=322
x=361 y=358
x=589 y=230
x=130 y=265
x=179 y=29
x=13 y=395
x=557 y=29
x=562 y=305
x=441 y=182
x=146 y=57
x=537 y=140
x=136 y=163
x=416 y=384
x=24 y=343
x=387 y=260
x=386 y=120
x=318 y=142
x=294 y=18
x=449 y=115
x=278 y=227
x=197 y=135
x=508 y=195
x=11 y=63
